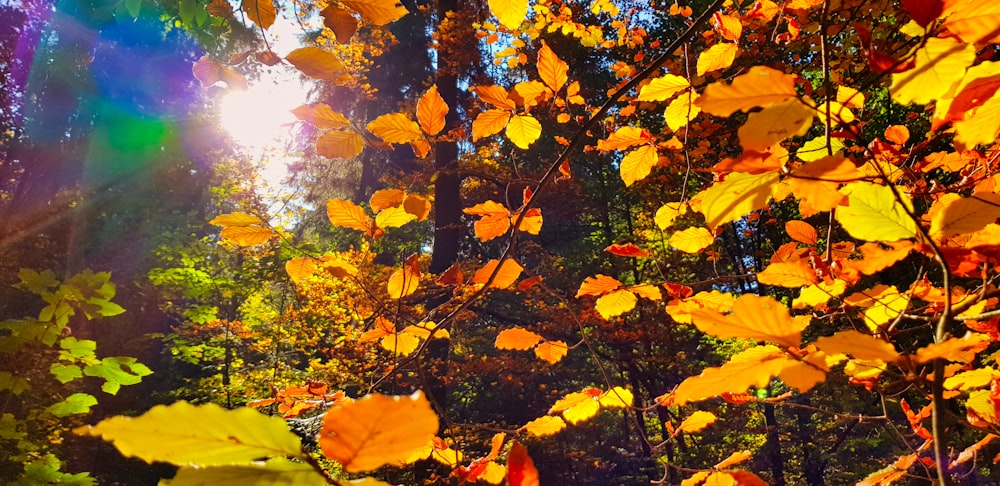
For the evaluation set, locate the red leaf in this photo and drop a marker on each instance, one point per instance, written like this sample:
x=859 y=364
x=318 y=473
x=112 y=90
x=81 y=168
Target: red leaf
x=520 y=468
x=627 y=250
x=923 y=12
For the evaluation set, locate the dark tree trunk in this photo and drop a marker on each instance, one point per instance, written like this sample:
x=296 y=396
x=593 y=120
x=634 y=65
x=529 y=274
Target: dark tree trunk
x=447 y=201
x=772 y=447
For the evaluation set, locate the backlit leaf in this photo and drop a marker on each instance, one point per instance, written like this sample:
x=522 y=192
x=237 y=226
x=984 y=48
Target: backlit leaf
x=623 y=138
x=551 y=351
x=774 y=124
x=960 y=216
x=247 y=235
x=940 y=64
x=616 y=397
x=627 y=250
x=597 y=285
x=794 y=275
x=431 y=111
x=340 y=144
x=321 y=116
x=377 y=430
x=523 y=130
x=517 y=338
x=494 y=219
x=508 y=274
x=663 y=88
x=510 y=12
x=544 y=426
x=316 y=63
x=752 y=317
x=816 y=149
x=386 y=198
x=801 y=231
x=395 y=128
x=400 y=344
x=551 y=69
x=697 y=422
x=489 y=122
x=235 y=219
x=958 y=349
x=858 y=345
x=637 y=164
x=975 y=21
x=300 y=268
x=341 y=21
x=734 y=459
x=736 y=196
x=346 y=214
x=378 y=12
x=819 y=293
x=681 y=110
x=273 y=472
x=402 y=282
x=261 y=12
x=968 y=380
x=74 y=404
x=668 y=213
x=615 y=303
x=211 y=435
x=761 y=86
x=418 y=206
x=692 y=240
x=719 y=56
x=753 y=367
x=520 y=468
x=393 y=218
x=582 y=411
x=872 y=213
x=496 y=96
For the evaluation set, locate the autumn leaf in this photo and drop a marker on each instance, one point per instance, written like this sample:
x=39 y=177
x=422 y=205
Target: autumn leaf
x=300 y=268
x=681 y=110
x=697 y=422
x=520 y=468
x=959 y=216
x=523 y=130
x=321 y=116
x=235 y=219
x=431 y=111
x=316 y=63
x=753 y=367
x=615 y=303
x=377 y=430
x=761 y=86
x=490 y=122
x=393 y=217
x=788 y=274
x=736 y=196
x=627 y=250
x=775 y=123
x=958 y=349
x=544 y=426
x=752 y=317
x=551 y=351
x=663 y=88
x=400 y=344
x=248 y=235
x=494 y=219
x=261 y=12
x=637 y=164
x=597 y=285
x=692 y=240
x=551 y=69
x=506 y=276
x=340 y=144
x=517 y=338
x=340 y=21
x=395 y=128
x=378 y=12
x=819 y=293
x=616 y=397
x=719 y=56
x=510 y=12
x=858 y=345
x=801 y=231
x=974 y=22
x=386 y=198
x=346 y=214
x=872 y=213
x=940 y=64
x=668 y=213
x=404 y=281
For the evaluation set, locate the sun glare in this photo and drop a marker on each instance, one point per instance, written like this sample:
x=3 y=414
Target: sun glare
x=260 y=118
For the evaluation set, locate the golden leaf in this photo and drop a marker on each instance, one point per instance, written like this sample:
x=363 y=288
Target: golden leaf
x=489 y=122
x=615 y=303
x=400 y=344
x=508 y=274
x=393 y=218
x=395 y=128
x=300 y=268
x=385 y=199
x=521 y=469
x=734 y=459
x=582 y=411
x=818 y=293
x=247 y=235
x=597 y=285
x=531 y=93
x=960 y=216
x=663 y=88
x=668 y=213
x=616 y=397
x=496 y=96
x=624 y=138
x=378 y=12
x=261 y=12
x=551 y=69
x=431 y=111
x=897 y=134
x=517 y=338
x=340 y=144
x=736 y=196
x=418 y=206
x=816 y=149
x=523 y=130
x=872 y=213
x=682 y=110
x=975 y=21
x=788 y=274
x=761 y=86
x=692 y=240
x=403 y=282
x=940 y=64
x=316 y=63
x=775 y=123
x=321 y=116
x=236 y=219
x=728 y=25
x=697 y=422
x=544 y=426
x=753 y=317
x=494 y=219
x=969 y=380
x=981 y=127
x=647 y=291
x=532 y=222
x=346 y=214
x=753 y=367
x=340 y=21
x=961 y=350
x=551 y=351
x=801 y=231
x=637 y=164
x=510 y=12
x=377 y=430
x=850 y=97
x=383 y=327
x=719 y=56
x=338 y=268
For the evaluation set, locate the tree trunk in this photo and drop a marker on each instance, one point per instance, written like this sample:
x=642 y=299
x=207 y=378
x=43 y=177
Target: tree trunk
x=772 y=447
x=447 y=201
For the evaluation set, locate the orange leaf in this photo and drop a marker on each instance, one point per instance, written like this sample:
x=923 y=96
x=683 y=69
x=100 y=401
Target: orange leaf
x=340 y=21
x=321 y=116
x=615 y=303
x=753 y=317
x=530 y=93
x=395 y=128
x=761 y=86
x=508 y=274
x=520 y=468
x=378 y=12
x=532 y=221
x=858 y=345
x=637 y=164
x=383 y=327
x=719 y=56
x=300 y=268
x=417 y=206
x=897 y=134
x=728 y=25
x=346 y=214
x=404 y=281
x=697 y=421
x=961 y=350
x=544 y=426
x=788 y=274
x=247 y=235
x=975 y=22
x=733 y=459
x=737 y=196
x=753 y=367
x=431 y=111
x=801 y=231
x=340 y=144
x=496 y=96
x=489 y=122
x=551 y=351
x=517 y=338
x=551 y=69
x=316 y=63
x=385 y=199
x=624 y=138
x=494 y=220
x=261 y=12
x=376 y=430
x=236 y=219
x=597 y=285
x=627 y=250
x=774 y=124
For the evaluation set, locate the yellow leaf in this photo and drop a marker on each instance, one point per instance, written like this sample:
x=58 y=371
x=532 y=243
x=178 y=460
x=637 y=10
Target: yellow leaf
x=339 y=268
x=424 y=329
x=647 y=291
x=551 y=69
x=532 y=222
x=417 y=206
x=872 y=213
x=624 y=138
x=341 y=21
x=377 y=430
x=940 y=64
x=734 y=459
x=395 y=128
x=816 y=149
x=300 y=268
x=775 y=123
x=637 y=164
x=510 y=12
x=277 y=470
x=697 y=422
x=489 y=122
x=523 y=130
x=340 y=144
x=582 y=411
x=700 y=476
x=494 y=473
x=719 y=56
x=753 y=317
x=850 y=97
x=975 y=21
x=729 y=26
x=383 y=327
x=761 y=86
x=261 y=12
x=663 y=88
x=236 y=219
x=385 y=199
x=964 y=215
x=858 y=345
x=378 y=12
x=517 y=338
x=431 y=111
x=968 y=380
x=551 y=351
x=393 y=218
x=615 y=303
x=494 y=219
x=981 y=127
x=316 y=63
x=736 y=196
x=346 y=214
x=508 y=274
x=794 y=275
x=668 y=213
x=403 y=282
x=753 y=367
x=692 y=240
x=597 y=285
x=682 y=110
x=248 y=235
x=818 y=293
x=544 y=426
x=321 y=116
x=616 y=397
x=961 y=350
x=400 y=344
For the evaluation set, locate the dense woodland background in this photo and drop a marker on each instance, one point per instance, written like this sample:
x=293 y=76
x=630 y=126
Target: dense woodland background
x=860 y=217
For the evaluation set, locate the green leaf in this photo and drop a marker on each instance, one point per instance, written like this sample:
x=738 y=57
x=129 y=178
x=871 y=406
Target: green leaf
x=205 y=435
x=107 y=308
x=874 y=214
x=35 y=282
x=8 y=428
x=46 y=471
x=118 y=371
x=274 y=472
x=15 y=384
x=65 y=373
x=73 y=404
x=74 y=349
